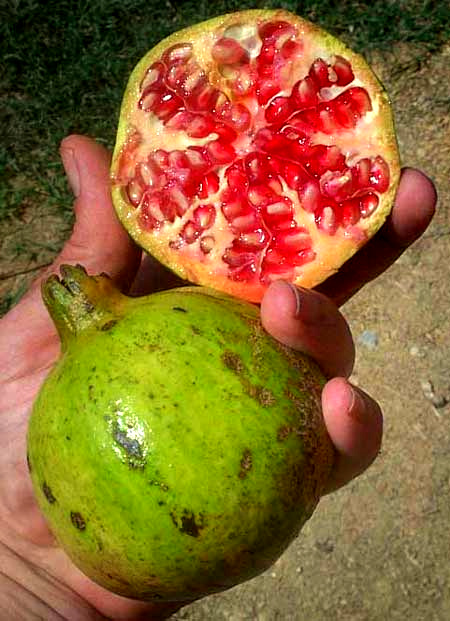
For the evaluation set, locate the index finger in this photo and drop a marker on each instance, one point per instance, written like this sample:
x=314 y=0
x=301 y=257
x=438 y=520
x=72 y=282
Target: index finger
x=413 y=210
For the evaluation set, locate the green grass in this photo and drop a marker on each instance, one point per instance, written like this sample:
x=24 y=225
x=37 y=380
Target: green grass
x=64 y=67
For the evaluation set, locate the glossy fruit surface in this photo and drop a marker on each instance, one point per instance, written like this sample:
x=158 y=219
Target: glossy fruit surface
x=252 y=147
x=176 y=449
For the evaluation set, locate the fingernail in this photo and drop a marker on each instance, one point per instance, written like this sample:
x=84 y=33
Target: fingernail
x=357 y=409
x=71 y=168
x=296 y=293
x=284 y=286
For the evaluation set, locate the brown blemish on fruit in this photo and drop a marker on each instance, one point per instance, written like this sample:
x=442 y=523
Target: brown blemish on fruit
x=88 y=306
x=256 y=340
x=307 y=438
x=149 y=347
x=293 y=483
x=246 y=463
x=108 y=325
x=233 y=361
x=78 y=520
x=179 y=308
x=162 y=486
x=306 y=398
x=188 y=523
x=284 y=432
x=48 y=493
x=28 y=463
x=196 y=330
x=262 y=395
x=304 y=479
x=117 y=578
x=296 y=359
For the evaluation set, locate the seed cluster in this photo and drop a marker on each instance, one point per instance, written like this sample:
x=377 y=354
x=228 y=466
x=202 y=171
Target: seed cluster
x=258 y=188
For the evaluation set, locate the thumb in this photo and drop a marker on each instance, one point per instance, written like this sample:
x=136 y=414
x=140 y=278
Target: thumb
x=98 y=241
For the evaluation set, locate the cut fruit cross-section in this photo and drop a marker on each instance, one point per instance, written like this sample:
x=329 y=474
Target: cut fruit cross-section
x=252 y=147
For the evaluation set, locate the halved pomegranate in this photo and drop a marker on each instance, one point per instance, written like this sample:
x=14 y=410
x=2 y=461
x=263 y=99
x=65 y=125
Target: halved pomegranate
x=252 y=147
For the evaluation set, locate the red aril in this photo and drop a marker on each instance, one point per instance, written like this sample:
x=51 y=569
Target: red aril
x=252 y=147
x=228 y=51
x=304 y=93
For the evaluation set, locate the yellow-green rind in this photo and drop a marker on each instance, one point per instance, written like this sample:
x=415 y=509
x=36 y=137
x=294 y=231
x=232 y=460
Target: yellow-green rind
x=314 y=273
x=178 y=449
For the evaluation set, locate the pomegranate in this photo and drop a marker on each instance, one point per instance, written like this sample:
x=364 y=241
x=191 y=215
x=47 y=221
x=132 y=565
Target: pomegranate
x=176 y=448
x=252 y=147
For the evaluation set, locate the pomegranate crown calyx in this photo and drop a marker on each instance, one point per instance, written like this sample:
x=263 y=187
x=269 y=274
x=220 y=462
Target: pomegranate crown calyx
x=78 y=302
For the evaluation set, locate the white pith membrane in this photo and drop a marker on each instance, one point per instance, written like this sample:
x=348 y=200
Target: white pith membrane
x=252 y=153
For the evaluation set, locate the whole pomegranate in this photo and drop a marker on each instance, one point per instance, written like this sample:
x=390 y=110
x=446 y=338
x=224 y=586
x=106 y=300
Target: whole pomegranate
x=176 y=448
x=252 y=147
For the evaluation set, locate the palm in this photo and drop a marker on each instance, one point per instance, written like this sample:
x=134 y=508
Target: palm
x=29 y=347
x=17 y=507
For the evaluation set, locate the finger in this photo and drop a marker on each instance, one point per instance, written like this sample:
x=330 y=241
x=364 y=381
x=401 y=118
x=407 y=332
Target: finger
x=98 y=242
x=414 y=208
x=355 y=425
x=309 y=322
x=413 y=211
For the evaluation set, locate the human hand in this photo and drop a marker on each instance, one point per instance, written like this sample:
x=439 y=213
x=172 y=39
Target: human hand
x=43 y=576
x=309 y=321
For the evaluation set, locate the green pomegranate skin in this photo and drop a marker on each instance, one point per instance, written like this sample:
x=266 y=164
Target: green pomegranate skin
x=176 y=449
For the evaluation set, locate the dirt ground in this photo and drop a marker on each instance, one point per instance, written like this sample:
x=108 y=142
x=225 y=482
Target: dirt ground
x=379 y=548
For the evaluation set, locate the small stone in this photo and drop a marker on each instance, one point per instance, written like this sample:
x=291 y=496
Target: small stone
x=427 y=389
x=326 y=546
x=369 y=339
x=437 y=400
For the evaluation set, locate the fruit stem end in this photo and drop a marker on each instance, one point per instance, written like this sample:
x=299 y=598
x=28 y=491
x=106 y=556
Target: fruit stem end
x=77 y=302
